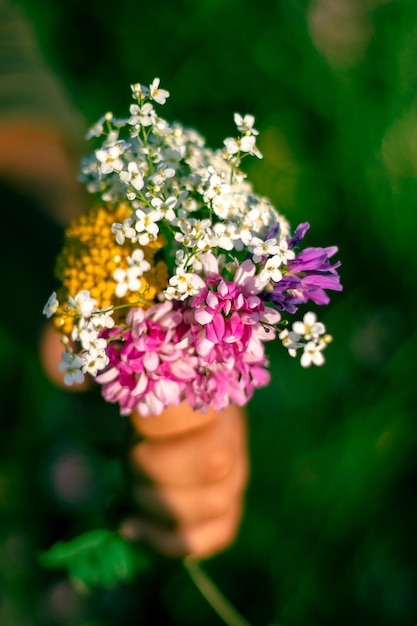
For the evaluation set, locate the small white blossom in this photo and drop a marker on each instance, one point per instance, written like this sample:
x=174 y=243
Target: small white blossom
x=165 y=208
x=123 y=231
x=313 y=354
x=232 y=145
x=146 y=226
x=51 y=306
x=98 y=128
x=103 y=319
x=225 y=235
x=245 y=124
x=83 y=303
x=89 y=338
x=142 y=116
x=159 y=95
x=309 y=328
x=137 y=260
x=214 y=186
x=291 y=341
x=127 y=280
x=93 y=361
x=285 y=253
x=248 y=144
x=162 y=174
x=270 y=269
x=183 y=284
x=133 y=176
x=262 y=248
x=139 y=91
x=71 y=364
x=109 y=157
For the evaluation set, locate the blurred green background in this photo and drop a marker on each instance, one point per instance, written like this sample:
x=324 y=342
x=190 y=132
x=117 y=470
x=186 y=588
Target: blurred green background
x=329 y=532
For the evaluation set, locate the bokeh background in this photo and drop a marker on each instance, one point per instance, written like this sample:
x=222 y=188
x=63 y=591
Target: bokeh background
x=329 y=532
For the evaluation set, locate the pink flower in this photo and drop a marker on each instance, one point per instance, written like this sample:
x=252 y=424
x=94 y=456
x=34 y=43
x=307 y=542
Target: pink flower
x=229 y=324
x=230 y=312
x=209 y=350
x=147 y=371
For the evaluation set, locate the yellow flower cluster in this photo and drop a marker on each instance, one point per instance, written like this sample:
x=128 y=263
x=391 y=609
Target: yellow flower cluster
x=91 y=255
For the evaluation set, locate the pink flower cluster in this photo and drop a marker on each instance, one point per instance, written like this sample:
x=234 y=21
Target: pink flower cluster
x=208 y=349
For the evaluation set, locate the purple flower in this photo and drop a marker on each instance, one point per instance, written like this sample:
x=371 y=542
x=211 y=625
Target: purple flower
x=310 y=273
x=298 y=236
x=314 y=259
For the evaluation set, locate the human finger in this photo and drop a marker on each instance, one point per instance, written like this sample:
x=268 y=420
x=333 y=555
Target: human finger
x=192 y=504
x=199 y=457
x=200 y=540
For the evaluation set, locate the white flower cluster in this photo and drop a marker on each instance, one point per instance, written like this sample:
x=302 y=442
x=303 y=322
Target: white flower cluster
x=309 y=335
x=92 y=356
x=177 y=186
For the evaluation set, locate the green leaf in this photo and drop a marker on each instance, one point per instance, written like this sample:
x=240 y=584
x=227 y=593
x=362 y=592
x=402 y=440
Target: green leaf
x=97 y=558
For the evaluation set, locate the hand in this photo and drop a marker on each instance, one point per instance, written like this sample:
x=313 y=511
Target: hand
x=190 y=471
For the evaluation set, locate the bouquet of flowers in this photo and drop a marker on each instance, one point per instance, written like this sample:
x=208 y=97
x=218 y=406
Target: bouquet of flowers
x=177 y=276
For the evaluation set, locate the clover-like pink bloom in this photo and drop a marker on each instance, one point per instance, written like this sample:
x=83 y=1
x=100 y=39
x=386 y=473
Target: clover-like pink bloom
x=229 y=325
x=208 y=349
x=147 y=371
x=231 y=312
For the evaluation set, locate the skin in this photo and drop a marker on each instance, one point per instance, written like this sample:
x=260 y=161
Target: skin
x=189 y=473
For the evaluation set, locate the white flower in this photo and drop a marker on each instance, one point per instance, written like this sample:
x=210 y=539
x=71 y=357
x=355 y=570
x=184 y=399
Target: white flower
x=83 y=303
x=142 y=116
x=232 y=145
x=263 y=248
x=138 y=261
x=109 y=157
x=309 y=328
x=313 y=354
x=94 y=360
x=165 y=208
x=146 y=226
x=214 y=186
x=291 y=341
x=89 y=338
x=271 y=270
x=133 y=176
x=98 y=128
x=285 y=253
x=103 y=319
x=162 y=173
x=123 y=231
x=225 y=235
x=245 y=124
x=183 y=284
x=71 y=364
x=248 y=144
x=51 y=306
x=157 y=94
x=127 y=280
x=139 y=91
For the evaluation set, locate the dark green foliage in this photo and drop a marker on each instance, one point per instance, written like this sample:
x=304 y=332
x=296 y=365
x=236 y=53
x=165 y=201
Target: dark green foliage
x=99 y=557
x=329 y=532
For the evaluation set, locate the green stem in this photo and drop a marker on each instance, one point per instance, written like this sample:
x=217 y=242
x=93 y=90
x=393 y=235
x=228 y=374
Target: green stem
x=212 y=594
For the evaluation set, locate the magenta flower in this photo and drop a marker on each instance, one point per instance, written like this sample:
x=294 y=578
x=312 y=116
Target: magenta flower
x=229 y=324
x=147 y=371
x=209 y=350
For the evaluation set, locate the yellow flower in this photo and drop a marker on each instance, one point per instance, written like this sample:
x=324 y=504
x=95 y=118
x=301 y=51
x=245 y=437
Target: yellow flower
x=91 y=255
